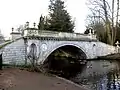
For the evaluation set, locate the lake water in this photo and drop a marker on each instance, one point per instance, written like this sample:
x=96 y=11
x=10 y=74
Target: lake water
x=99 y=75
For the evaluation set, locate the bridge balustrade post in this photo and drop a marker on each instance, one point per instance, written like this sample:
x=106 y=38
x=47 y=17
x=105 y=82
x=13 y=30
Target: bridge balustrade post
x=90 y=32
x=34 y=24
x=27 y=24
x=117 y=47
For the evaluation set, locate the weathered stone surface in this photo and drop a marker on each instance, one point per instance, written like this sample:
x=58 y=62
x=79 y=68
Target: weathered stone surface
x=16 y=52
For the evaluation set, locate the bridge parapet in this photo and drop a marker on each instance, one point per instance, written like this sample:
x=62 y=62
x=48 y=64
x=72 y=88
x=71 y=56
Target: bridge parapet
x=46 y=33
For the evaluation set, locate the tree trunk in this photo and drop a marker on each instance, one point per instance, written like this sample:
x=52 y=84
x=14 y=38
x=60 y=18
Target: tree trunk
x=107 y=23
x=113 y=22
x=116 y=20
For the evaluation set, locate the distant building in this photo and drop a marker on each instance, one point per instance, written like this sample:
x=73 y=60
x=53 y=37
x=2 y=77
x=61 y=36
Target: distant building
x=15 y=34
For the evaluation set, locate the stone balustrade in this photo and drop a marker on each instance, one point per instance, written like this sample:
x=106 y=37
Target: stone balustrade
x=44 y=33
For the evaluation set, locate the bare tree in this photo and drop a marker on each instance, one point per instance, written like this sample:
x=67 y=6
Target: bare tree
x=103 y=12
x=116 y=19
x=113 y=20
x=20 y=29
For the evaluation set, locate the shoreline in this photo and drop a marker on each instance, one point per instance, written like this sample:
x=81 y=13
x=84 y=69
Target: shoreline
x=16 y=79
x=71 y=82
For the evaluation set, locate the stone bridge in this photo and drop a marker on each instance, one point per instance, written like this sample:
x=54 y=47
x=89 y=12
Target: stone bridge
x=43 y=43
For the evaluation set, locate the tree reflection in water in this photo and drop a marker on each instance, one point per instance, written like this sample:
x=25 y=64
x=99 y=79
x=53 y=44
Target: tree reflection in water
x=102 y=78
x=110 y=82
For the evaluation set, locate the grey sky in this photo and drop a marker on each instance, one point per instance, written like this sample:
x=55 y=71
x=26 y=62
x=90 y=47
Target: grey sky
x=16 y=12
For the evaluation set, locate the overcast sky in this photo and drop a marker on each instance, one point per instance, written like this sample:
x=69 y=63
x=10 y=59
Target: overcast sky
x=16 y=12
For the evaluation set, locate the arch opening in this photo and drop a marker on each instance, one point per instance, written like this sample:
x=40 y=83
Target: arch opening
x=66 y=60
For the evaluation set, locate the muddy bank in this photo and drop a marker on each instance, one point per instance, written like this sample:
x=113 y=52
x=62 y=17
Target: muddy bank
x=111 y=56
x=16 y=79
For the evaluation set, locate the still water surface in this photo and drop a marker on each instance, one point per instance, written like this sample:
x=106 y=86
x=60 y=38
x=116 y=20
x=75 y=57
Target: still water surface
x=99 y=75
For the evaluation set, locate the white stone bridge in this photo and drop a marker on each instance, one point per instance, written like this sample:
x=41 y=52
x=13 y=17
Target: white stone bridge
x=43 y=43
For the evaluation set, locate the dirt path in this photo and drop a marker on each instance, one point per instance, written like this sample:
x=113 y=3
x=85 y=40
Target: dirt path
x=15 y=79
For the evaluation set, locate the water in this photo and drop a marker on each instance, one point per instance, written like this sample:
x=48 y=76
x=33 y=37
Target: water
x=99 y=75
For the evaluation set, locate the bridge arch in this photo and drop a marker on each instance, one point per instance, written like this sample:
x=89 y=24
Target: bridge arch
x=62 y=45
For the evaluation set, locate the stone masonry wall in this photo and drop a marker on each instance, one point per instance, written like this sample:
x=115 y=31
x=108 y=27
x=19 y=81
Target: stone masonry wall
x=91 y=49
x=103 y=49
x=14 y=53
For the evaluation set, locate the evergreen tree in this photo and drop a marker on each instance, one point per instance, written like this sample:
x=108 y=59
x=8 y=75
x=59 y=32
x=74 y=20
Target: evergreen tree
x=41 y=23
x=60 y=19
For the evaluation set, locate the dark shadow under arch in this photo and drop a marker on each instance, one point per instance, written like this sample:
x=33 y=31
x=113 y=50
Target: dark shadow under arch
x=66 y=59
